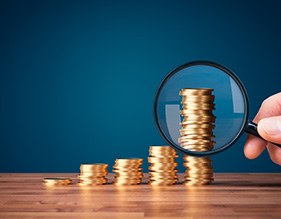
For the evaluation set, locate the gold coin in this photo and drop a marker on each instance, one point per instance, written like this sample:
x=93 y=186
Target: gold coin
x=201 y=183
x=210 y=136
x=192 y=129
x=199 y=138
x=161 y=160
x=161 y=148
x=93 y=167
x=196 y=91
x=129 y=174
x=197 y=147
x=197 y=159
x=196 y=98
x=127 y=166
x=202 y=112
x=81 y=176
x=189 y=134
x=198 y=162
x=198 y=126
x=93 y=174
x=163 y=155
x=90 y=183
x=202 y=149
x=162 y=183
x=57 y=181
x=126 y=169
x=204 y=173
x=207 y=119
x=154 y=175
x=161 y=168
x=186 y=121
x=126 y=182
x=195 y=142
x=164 y=150
x=199 y=174
x=93 y=180
x=198 y=132
x=128 y=160
x=198 y=106
x=195 y=137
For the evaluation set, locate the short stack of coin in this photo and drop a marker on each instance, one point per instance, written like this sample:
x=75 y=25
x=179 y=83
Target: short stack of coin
x=93 y=174
x=197 y=133
x=128 y=171
x=162 y=169
x=57 y=181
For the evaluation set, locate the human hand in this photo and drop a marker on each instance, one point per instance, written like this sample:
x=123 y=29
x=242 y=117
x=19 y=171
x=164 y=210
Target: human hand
x=268 y=119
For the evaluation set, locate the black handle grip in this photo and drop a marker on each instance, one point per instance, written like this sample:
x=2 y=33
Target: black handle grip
x=251 y=128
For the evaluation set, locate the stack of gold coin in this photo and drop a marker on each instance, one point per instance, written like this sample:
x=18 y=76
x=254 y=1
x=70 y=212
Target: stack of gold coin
x=199 y=170
x=57 y=181
x=162 y=169
x=197 y=133
x=93 y=174
x=128 y=171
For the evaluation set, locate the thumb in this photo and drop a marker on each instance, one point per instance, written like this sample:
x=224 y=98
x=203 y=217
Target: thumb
x=270 y=129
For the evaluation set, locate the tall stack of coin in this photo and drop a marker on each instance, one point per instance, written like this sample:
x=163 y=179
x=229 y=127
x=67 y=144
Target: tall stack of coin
x=162 y=169
x=128 y=171
x=93 y=174
x=197 y=133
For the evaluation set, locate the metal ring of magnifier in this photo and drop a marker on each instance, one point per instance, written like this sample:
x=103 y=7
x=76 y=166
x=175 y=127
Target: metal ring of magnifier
x=245 y=99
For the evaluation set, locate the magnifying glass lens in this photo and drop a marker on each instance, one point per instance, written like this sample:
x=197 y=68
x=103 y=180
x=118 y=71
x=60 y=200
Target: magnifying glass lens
x=229 y=107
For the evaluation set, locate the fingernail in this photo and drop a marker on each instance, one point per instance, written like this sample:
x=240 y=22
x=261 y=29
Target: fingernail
x=271 y=126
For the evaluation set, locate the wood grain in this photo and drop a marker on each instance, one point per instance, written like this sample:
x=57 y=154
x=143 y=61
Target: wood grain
x=231 y=196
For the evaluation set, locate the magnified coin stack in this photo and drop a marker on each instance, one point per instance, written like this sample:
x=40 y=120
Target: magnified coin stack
x=162 y=169
x=197 y=133
x=57 y=181
x=128 y=171
x=93 y=174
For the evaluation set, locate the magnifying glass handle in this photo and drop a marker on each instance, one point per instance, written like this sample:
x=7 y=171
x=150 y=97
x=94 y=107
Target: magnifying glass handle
x=251 y=128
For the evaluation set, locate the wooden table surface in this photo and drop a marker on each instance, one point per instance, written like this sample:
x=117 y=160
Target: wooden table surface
x=231 y=195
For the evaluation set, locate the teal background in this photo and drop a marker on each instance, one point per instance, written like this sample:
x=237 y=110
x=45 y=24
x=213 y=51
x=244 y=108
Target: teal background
x=78 y=78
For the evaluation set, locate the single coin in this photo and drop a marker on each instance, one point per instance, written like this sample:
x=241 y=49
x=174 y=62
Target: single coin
x=195 y=91
x=126 y=160
x=57 y=181
x=161 y=148
x=94 y=166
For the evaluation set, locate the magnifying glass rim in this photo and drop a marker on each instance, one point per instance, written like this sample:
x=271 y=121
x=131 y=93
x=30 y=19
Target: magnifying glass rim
x=227 y=71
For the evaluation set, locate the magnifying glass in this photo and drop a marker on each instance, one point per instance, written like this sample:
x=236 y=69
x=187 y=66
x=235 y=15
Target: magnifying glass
x=231 y=105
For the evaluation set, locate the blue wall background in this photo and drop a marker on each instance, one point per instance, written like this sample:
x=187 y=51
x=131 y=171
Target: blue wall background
x=78 y=78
